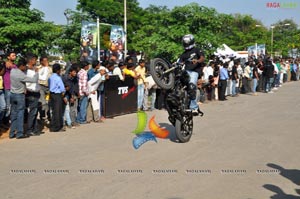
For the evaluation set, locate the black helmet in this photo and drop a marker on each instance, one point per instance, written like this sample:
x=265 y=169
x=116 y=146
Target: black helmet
x=188 y=41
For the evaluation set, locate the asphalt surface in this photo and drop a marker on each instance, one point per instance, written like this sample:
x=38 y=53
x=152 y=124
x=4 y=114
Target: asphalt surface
x=244 y=148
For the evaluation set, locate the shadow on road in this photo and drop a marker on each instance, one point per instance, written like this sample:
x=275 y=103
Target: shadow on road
x=291 y=174
x=171 y=129
x=279 y=193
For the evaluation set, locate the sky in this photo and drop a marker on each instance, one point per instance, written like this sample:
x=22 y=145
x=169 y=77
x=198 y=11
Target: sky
x=259 y=9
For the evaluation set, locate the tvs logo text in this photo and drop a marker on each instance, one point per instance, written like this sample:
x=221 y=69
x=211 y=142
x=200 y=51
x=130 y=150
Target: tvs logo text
x=122 y=90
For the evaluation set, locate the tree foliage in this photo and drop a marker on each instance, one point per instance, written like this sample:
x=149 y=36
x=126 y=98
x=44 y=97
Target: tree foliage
x=25 y=4
x=161 y=30
x=24 y=30
x=240 y=31
x=68 y=42
x=112 y=12
x=285 y=36
x=156 y=30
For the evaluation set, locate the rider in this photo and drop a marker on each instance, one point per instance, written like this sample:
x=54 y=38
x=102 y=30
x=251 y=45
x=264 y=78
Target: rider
x=192 y=57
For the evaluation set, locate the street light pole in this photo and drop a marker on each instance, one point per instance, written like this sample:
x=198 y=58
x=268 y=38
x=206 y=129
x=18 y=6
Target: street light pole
x=272 y=36
x=98 y=35
x=125 y=28
x=272 y=39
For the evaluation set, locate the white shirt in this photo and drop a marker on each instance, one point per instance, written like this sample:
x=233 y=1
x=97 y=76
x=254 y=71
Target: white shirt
x=151 y=82
x=230 y=65
x=240 y=71
x=94 y=83
x=247 y=71
x=275 y=68
x=207 y=71
x=117 y=71
x=44 y=73
x=33 y=87
x=286 y=68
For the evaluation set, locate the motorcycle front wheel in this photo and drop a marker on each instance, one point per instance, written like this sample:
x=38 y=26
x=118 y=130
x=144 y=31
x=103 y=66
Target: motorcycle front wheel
x=163 y=79
x=184 y=128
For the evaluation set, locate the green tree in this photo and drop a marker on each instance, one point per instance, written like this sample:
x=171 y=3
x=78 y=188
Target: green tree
x=157 y=30
x=162 y=29
x=24 y=30
x=240 y=31
x=15 y=4
x=112 y=12
x=68 y=42
x=152 y=36
x=285 y=35
x=295 y=44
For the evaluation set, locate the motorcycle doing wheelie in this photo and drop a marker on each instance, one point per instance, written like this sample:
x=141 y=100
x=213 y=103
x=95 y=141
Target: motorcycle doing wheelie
x=179 y=92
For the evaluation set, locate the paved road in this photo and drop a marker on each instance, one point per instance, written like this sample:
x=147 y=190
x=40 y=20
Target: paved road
x=244 y=148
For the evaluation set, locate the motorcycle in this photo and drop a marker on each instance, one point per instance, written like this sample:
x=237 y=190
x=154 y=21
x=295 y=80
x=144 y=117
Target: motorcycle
x=176 y=81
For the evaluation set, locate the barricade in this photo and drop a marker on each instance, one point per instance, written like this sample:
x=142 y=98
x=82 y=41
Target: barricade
x=120 y=97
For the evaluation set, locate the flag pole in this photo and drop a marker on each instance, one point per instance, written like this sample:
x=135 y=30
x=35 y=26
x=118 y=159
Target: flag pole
x=125 y=27
x=98 y=36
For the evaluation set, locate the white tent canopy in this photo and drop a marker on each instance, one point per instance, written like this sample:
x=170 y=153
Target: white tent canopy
x=226 y=51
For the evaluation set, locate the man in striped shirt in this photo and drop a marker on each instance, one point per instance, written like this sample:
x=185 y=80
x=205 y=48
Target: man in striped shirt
x=83 y=93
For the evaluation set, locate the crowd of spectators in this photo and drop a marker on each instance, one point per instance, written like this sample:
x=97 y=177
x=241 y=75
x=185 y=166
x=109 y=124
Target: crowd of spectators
x=34 y=96
x=227 y=76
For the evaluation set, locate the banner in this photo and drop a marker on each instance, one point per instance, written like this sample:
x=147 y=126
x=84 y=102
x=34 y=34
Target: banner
x=88 y=41
x=257 y=50
x=117 y=41
x=251 y=51
x=261 y=50
x=117 y=38
x=113 y=40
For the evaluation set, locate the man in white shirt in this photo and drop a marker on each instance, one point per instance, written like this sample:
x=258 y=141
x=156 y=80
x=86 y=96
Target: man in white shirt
x=45 y=71
x=229 y=81
x=32 y=97
x=95 y=82
x=117 y=71
x=276 y=76
x=94 y=104
x=207 y=71
x=150 y=90
x=247 y=77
